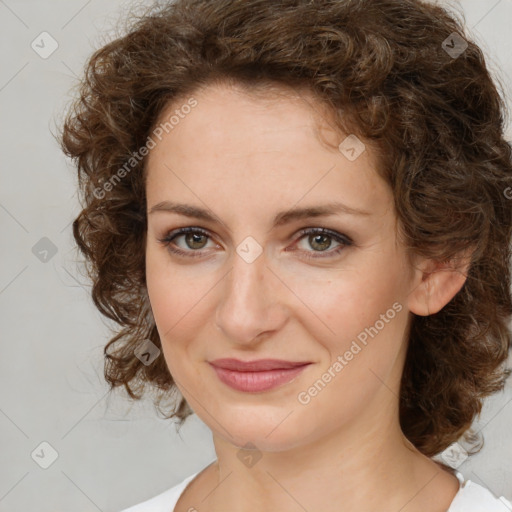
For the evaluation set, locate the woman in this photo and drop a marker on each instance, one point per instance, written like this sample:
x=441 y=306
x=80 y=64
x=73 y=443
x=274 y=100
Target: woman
x=297 y=213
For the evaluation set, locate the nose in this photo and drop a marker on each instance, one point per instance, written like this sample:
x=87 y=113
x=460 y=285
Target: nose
x=250 y=302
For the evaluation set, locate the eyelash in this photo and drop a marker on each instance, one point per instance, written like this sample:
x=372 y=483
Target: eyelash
x=344 y=240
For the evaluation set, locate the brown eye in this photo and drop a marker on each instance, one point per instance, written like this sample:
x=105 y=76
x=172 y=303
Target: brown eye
x=320 y=242
x=321 y=239
x=195 y=241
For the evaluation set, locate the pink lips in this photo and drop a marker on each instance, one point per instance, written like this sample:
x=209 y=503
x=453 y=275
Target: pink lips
x=258 y=375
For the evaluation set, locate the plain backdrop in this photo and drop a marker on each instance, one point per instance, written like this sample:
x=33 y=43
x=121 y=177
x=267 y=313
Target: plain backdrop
x=65 y=443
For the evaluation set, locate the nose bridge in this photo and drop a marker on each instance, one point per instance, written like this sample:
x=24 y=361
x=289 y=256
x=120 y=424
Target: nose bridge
x=248 y=304
x=249 y=265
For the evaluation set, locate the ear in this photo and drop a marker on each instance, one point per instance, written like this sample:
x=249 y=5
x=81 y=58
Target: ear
x=435 y=283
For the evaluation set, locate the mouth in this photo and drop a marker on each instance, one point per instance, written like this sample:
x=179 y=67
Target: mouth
x=256 y=376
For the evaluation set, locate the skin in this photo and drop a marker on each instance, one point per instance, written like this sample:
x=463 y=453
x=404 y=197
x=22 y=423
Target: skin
x=246 y=157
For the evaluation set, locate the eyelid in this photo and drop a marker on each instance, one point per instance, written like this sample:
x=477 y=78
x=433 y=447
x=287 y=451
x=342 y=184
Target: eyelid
x=297 y=234
x=169 y=236
x=344 y=241
x=324 y=231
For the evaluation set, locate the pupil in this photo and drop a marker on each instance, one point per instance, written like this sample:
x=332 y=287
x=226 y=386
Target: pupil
x=192 y=238
x=320 y=237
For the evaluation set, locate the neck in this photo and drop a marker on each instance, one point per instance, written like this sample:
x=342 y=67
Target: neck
x=350 y=469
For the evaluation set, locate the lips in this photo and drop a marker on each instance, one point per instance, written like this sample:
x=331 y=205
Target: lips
x=256 y=365
x=256 y=376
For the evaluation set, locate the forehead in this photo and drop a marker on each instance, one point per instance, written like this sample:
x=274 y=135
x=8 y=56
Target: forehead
x=283 y=146
x=226 y=106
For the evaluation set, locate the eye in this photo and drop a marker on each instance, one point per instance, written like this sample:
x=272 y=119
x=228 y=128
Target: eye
x=195 y=240
x=320 y=239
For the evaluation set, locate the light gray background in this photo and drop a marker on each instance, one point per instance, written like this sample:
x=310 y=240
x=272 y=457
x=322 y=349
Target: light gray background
x=111 y=453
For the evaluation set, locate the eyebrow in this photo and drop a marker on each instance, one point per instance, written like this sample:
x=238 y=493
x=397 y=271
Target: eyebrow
x=280 y=218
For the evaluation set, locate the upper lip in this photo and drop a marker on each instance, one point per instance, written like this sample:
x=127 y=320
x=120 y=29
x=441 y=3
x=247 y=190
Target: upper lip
x=256 y=365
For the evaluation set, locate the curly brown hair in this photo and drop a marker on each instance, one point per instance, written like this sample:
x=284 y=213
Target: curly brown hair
x=401 y=75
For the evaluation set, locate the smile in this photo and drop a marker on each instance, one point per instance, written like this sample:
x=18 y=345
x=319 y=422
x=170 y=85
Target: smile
x=256 y=381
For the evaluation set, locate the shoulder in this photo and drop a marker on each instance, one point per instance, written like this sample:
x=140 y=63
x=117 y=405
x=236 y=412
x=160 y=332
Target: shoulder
x=163 y=502
x=475 y=498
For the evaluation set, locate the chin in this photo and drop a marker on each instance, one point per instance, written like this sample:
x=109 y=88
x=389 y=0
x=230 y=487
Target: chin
x=276 y=432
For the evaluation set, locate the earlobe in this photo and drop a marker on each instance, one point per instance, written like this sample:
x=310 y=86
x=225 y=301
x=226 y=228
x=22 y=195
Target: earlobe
x=436 y=283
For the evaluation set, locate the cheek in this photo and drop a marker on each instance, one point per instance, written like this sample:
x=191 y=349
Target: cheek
x=168 y=293
x=363 y=321
x=341 y=306
x=178 y=298
x=172 y=289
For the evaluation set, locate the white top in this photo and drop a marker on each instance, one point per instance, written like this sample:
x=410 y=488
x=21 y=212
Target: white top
x=470 y=498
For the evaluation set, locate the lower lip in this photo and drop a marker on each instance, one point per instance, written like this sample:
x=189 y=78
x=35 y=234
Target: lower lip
x=257 y=381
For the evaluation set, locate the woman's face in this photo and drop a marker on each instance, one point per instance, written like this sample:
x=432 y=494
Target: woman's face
x=250 y=288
